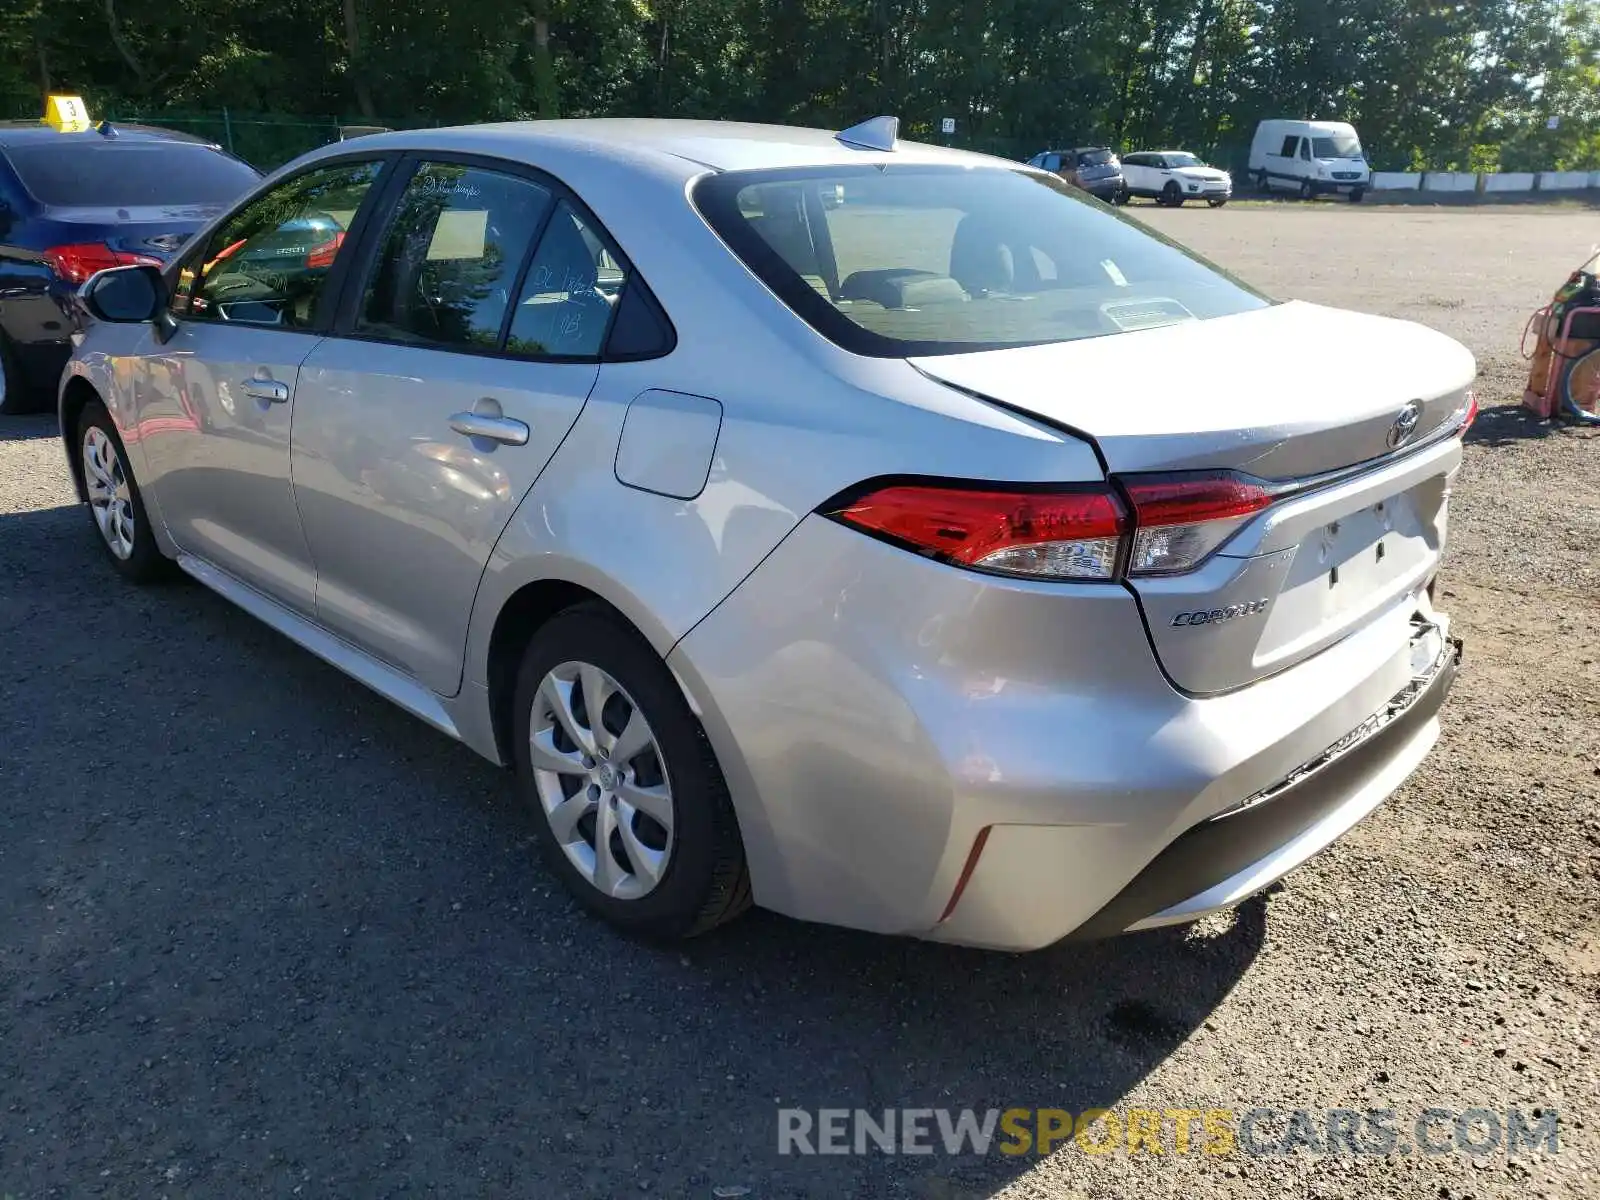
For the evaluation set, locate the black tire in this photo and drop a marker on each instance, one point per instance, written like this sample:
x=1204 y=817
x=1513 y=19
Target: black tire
x=1263 y=184
x=1218 y=203
x=16 y=397
x=144 y=563
x=1307 y=192
x=705 y=881
x=1172 y=195
x=1356 y=194
x=1120 y=197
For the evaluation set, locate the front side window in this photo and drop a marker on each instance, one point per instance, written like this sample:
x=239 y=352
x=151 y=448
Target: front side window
x=936 y=260
x=268 y=264
x=447 y=266
x=1305 y=149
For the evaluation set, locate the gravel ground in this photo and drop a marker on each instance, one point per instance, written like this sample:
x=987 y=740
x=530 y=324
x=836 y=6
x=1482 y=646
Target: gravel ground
x=268 y=936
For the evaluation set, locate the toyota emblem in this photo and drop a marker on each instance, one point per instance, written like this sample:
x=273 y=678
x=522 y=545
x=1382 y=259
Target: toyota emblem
x=1404 y=425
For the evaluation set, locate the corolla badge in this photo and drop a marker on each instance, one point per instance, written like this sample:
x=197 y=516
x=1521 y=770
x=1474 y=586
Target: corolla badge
x=1404 y=425
x=1216 y=616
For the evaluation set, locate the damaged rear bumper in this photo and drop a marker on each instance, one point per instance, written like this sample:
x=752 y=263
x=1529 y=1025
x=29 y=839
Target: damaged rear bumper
x=1222 y=861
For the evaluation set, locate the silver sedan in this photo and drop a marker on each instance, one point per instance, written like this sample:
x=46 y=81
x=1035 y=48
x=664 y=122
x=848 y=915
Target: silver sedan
x=881 y=534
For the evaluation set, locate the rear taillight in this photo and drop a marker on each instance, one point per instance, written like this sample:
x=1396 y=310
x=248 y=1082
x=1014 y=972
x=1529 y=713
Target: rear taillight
x=1169 y=523
x=1182 y=519
x=323 y=255
x=77 y=262
x=1469 y=413
x=1058 y=534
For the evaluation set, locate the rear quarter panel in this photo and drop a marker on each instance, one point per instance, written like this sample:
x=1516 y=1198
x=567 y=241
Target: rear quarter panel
x=791 y=437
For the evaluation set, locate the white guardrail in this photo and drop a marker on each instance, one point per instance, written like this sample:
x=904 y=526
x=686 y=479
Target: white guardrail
x=1499 y=182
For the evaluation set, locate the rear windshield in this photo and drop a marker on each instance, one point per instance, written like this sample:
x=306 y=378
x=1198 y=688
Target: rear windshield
x=1094 y=158
x=109 y=174
x=912 y=260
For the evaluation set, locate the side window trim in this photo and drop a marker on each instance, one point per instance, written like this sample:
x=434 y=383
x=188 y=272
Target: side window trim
x=335 y=286
x=383 y=211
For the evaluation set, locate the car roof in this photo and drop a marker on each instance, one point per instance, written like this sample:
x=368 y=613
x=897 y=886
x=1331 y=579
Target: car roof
x=696 y=146
x=25 y=133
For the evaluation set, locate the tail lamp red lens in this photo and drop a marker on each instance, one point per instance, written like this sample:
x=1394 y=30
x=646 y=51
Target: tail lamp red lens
x=75 y=263
x=1165 y=524
x=323 y=255
x=1062 y=535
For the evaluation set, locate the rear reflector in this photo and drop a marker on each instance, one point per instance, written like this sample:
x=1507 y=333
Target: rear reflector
x=965 y=878
x=1057 y=534
x=75 y=263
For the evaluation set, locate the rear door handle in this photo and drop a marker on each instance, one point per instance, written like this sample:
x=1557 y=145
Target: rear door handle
x=498 y=429
x=269 y=390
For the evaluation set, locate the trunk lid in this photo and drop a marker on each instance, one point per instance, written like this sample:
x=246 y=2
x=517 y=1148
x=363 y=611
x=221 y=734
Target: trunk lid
x=156 y=230
x=1289 y=393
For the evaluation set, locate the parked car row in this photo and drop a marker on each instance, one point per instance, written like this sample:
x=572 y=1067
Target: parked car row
x=1303 y=158
x=1169 y=177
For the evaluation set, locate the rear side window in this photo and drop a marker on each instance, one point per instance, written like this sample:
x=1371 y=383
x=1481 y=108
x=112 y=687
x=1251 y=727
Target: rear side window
x=572 y=287
x=912 y=260
x=106 y=173
x=1289 y=144
x=451 y=256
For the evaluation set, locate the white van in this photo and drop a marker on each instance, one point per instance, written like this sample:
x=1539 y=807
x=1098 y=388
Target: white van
x=1312 y=158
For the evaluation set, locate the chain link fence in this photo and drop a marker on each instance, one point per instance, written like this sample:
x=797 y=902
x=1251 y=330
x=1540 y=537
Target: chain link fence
x=263 y=140
x=268 y=140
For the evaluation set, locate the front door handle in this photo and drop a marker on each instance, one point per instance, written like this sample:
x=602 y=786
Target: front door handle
x=497 y=429
x=268 y=390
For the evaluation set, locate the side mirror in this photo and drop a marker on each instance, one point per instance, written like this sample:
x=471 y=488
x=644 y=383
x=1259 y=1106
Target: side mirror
x=124 y=295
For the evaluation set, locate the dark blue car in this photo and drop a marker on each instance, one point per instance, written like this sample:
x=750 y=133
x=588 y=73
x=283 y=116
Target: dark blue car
x=72 y=204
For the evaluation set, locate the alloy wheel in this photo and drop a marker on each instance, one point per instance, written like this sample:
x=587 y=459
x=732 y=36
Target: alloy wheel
x=602 y=780
x=110 y=496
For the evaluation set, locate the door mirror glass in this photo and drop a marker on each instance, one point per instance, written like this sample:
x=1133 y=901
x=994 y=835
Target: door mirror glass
x=124 y=294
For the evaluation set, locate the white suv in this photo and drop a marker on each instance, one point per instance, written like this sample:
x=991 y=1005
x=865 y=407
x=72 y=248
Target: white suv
x=1172 y=176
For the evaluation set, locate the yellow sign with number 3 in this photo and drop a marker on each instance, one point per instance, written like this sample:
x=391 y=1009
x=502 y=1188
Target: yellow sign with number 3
x=66 y=114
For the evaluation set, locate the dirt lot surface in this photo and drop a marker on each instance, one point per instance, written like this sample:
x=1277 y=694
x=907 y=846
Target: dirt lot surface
x=266 y=936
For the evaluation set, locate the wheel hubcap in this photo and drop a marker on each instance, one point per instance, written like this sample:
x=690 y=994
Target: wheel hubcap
x=602 y=780
x=110 y=497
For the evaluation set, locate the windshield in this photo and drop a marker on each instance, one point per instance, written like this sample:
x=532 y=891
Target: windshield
x=110 y=174
x=1095 y=158
x=1340 y=145
x=1182 y=160
x=916 y=260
